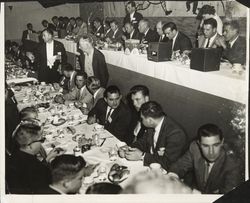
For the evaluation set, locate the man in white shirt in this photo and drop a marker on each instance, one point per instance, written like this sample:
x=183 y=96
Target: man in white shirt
x=132 y=16
x=163 y=142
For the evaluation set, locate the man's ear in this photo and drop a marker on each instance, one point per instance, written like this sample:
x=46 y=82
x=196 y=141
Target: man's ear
x=147 y=98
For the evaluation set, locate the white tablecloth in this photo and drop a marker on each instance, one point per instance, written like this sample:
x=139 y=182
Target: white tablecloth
x=21 y=80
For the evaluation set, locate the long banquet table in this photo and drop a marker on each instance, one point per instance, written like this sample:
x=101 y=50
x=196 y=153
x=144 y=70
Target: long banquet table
x=59 y=136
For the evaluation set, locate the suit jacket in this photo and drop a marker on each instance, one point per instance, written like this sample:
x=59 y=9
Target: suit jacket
x=108 y=33
x=25 y=34
x=237 y=53
x=224 y=175
x=44 y=72
x=99 y=66
x=165 y=39
x=182 y=43
x=135 y=21
x=202 y=40
x=117 y=37
x=135 y=35
x=151 y=36
x=99 y=33
x=121 y=119
x=26 y=174
x=171 y=137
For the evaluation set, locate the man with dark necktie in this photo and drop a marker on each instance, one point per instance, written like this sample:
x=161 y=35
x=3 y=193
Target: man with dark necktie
x=148 y=35
x=162 y=36
x=178 y=39
x=111 y=112
x=216 y=171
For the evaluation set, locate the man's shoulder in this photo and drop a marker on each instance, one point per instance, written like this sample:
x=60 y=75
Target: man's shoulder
x=98 y=53
x=241 y=40
x=171 y=124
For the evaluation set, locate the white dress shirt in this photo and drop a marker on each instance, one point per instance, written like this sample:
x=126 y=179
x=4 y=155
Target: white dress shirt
x=88 y=63
x=210 y=41
x=232 y=43
x=108 y=108
x=174 y=39
x=157 y=131
x=50 y=53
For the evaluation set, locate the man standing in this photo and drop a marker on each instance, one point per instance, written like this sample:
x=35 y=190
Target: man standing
x=50 y=55
x=234 y=45
x=162 y=36
x=92 y=61
x=178 y=40
x=27 y=32
x=111 y=112
x=215 y=170
x=210 y=37
x=132 y=15
x=163 y=142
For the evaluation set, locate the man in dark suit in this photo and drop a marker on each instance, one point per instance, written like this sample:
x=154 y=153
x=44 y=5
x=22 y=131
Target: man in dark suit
x=131 y=32
x=234 y=45
x=67 y=173
x=26 y=33
x=162 y=36
x=92 y=61
x=132 y=15
x=163 y=142
x=112 y=113
x=98 y=28
x=215 y=170
x=50 y=55
x=178 y=40
x=116 y=33
x=148 y=35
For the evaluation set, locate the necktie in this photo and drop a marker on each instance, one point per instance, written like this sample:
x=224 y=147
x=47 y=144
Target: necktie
x=108 y=115
x=208 y=41
x=206 y=172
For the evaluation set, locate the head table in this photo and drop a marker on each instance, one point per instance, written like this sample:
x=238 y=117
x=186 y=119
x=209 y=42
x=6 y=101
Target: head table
x=59 y=136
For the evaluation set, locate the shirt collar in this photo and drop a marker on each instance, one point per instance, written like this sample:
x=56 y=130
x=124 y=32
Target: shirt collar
x=96 y=93
x=176 y=36
x=232 y=42
x=56 y=189
x=132 y=14
x=146 y=32
x=158 y=127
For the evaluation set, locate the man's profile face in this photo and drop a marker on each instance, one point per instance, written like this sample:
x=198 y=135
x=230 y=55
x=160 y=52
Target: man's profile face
x=113 y=26
x=142 y=27
x=146 y=121
x=113 y=100
x=211 y=147
x=128 y=28
x=229 y=33
x=80 y=82
x=170 y=33
x=67 y=73
x=159 y=28
x=46 y=36
x=130 y=9
x=208 y=30
x=138 y=99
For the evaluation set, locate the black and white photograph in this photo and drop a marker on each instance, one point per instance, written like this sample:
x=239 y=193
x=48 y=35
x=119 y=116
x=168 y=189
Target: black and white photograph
x=129 y=101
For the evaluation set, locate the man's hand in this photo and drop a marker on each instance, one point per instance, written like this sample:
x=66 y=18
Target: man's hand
x=91 y=119
x=122 y=150
x=133 y=154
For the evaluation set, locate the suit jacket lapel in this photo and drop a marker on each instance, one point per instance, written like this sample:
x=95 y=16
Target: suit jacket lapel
x=161 y=135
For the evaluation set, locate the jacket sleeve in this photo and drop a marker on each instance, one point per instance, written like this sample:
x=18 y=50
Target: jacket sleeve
x=103 y=74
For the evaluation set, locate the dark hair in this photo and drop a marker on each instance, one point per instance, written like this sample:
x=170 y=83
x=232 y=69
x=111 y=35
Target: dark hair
x=140 y=88
x=104 y=188
x=170 y=25
x=132 y=3
x=233 y=24
x=65 y=167
x=111 y=89
x=211 y=22
x=151 y=109
x=79 y=18
x=29 y=24
x=209 y=130
x=83 y=74
x=54 y=17
x=72 y=18
x=44 y=21
x=48 y=30
x=89 y=38
x=15 y=44
x=67 y=67
x=25 y=112
x=207 y=9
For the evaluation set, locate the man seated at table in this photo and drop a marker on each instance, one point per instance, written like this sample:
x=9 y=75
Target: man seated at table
x=116 y=33
x=210 y=36
x=179 y=41
x=98 y=28
x=162 y=36
x=233 y=44
x=25 y=174
x=67 y=172
x=68 y=80
x=163 y=142
x=132 y=16
x=131 y=32
x=55 y=23
x=139 y=94
x=81 y=28
x=92 y=61
x=71 y=25
x=215 y=170
x=27 y=32
x=147 y=35
x=50 y=55
x=111 y=112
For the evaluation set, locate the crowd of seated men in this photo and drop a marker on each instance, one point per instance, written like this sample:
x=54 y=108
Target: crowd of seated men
x=151 y=135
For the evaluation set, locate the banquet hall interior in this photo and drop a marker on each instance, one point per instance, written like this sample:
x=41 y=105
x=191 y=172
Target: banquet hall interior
x=125 y=97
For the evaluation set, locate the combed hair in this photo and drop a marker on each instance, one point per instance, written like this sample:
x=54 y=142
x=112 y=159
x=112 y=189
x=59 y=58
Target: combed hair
x=139 y=88
x=66 y=167
x=211 y=22
x=104 y=188
x=111 y=89
x=151 y=109
x=209 y=130
x=24 y=113
x=170 y=25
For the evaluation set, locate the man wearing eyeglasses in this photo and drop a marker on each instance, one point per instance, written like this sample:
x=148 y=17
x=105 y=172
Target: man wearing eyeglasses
x=25 y=174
